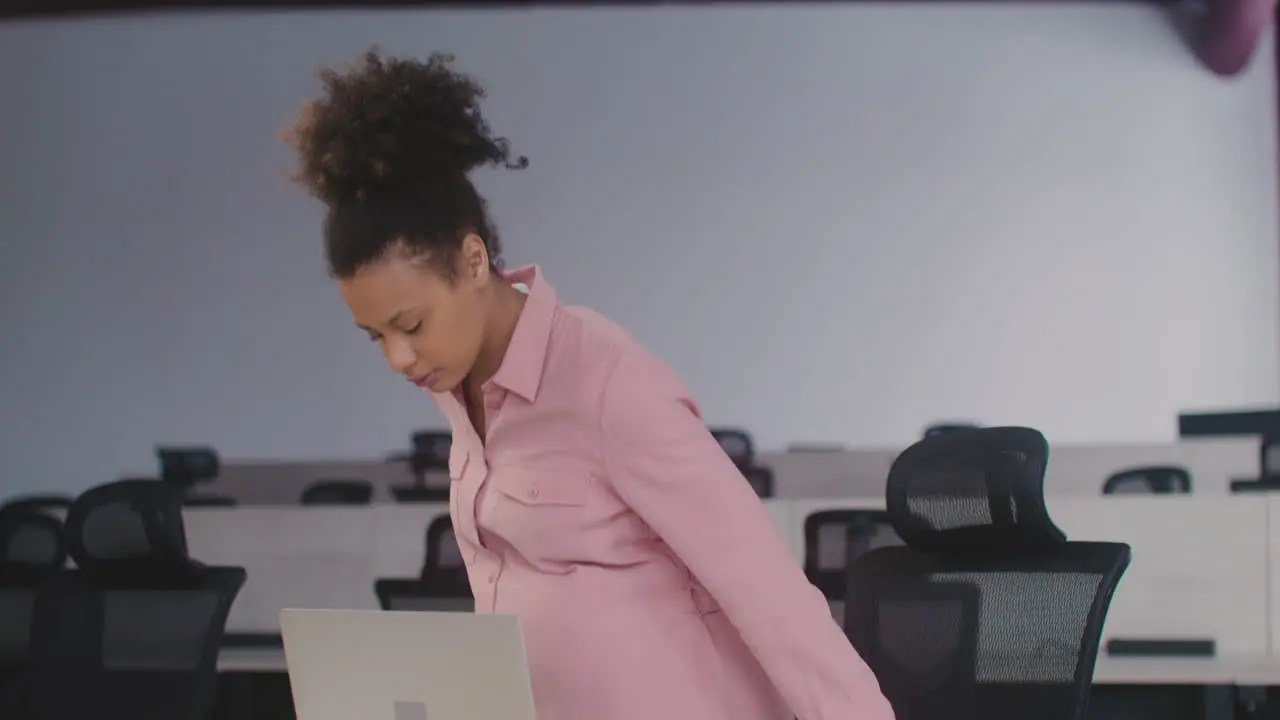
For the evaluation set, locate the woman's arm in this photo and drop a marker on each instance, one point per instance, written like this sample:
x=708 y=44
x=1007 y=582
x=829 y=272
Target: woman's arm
x=663 y=462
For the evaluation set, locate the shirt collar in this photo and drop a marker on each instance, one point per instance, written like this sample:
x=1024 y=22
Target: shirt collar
x=521 y=369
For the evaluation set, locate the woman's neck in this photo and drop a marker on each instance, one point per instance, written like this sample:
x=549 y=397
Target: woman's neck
x=503 y=317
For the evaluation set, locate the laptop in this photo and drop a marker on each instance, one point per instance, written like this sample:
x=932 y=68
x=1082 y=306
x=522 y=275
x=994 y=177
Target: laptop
x=384 y=665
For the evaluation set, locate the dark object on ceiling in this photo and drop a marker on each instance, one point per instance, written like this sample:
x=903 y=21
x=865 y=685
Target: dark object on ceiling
x=1222 y=33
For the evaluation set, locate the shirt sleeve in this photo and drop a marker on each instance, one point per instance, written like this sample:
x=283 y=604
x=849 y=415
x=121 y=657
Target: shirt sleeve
x=664 y=463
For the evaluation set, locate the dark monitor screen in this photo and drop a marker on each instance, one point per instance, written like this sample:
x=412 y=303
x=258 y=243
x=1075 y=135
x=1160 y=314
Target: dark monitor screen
x=1229 y=423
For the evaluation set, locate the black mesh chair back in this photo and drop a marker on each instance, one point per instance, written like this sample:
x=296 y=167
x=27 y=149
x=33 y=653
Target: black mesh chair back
x=338 y=492
x=1161 y=480
x=761 y=480
x=948 y=427
x=53 y=505
x=134 y=630
x=431 y=450
x=185 y=467
x=30 y=541
x=986 y=610
x=442 y=584
x=31 y=549
x=444 y=566
x=429 y=463
x=737 y=444
x=833 y=540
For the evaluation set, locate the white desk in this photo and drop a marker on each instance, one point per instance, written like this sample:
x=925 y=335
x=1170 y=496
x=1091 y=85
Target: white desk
x=1199 y=568
x=316 y=557
x=1273 y=570
x=1202 y=566
x=1242 y=670
x=325 y=557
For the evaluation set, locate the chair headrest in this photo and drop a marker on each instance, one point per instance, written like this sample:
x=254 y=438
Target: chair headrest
x=31 y=540
x=338 y=492
x=736 y=444
x=56 y=505
x=946 y=427
x=186 y=466
x=128 y=526
x=431 y=450
x=1154 y=479
x=973 y=492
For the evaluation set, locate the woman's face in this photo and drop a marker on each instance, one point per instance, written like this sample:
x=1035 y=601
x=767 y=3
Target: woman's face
x=429 y=328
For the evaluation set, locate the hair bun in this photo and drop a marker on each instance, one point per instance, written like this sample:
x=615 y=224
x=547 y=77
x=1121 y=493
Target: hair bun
x=391 y=126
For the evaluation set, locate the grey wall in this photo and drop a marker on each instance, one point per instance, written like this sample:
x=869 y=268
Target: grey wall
x=837 y=223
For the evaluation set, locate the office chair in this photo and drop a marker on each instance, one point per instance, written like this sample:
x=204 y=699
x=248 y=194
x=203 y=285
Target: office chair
x=986 y=611
x=133 y=631
x=835 y=538
x=761 y=480
x=442 y=584
x=30 y=540
x=827 y=537
x=52 y=505
x=948 y=427
x=186 y=467
x=338 y=492
x=1159 y=479
x=430 y=456
x=737 y=444
x=31 y=549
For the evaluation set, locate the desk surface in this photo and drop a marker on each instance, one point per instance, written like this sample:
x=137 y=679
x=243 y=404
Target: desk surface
x=1239 y=670
x=1212 y=583
x=251 y=660
x=1245 y=671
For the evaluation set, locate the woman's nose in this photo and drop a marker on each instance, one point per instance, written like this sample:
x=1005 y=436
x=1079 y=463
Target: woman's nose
x=400 y=356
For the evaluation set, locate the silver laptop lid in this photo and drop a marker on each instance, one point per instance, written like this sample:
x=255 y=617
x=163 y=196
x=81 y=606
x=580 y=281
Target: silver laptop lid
x=372 y=665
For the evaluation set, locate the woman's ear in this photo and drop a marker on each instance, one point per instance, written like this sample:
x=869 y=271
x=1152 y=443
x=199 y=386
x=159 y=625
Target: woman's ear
x=474 y=259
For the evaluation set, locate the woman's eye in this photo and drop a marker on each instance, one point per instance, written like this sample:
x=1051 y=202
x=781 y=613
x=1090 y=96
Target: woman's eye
x=414 y=330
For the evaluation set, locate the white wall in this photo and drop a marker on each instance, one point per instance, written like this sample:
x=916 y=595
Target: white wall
x=837 y=223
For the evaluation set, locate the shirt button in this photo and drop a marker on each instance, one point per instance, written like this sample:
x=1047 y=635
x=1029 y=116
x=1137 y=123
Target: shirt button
x=533 y=493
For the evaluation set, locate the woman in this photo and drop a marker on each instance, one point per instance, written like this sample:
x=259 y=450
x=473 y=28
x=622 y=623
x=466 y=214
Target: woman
x=588 y=496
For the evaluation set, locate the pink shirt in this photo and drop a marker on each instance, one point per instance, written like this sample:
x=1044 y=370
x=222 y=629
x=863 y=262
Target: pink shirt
x=647 y=576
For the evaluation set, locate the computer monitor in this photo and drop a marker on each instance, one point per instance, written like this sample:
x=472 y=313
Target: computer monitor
x=1230 y=423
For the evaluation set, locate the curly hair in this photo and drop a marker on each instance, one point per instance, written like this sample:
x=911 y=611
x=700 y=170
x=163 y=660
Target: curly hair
x=388 y=149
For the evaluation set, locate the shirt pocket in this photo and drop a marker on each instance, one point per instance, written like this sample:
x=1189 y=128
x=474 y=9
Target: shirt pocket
x=567 y=491
x=542 y=517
